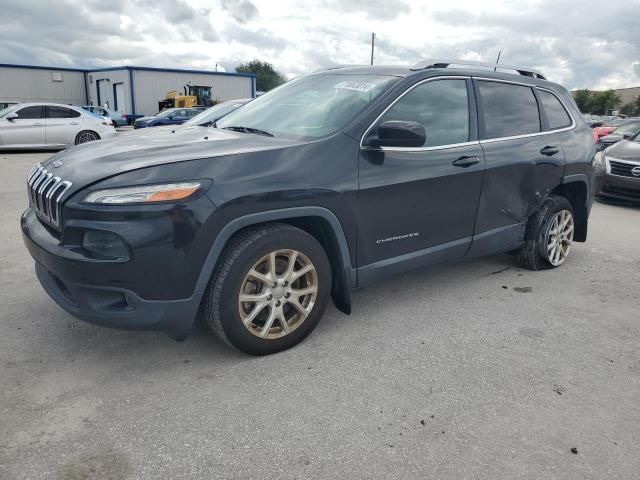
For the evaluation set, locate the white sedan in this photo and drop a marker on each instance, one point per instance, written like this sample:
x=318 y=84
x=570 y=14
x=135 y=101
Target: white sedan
x=50 y=125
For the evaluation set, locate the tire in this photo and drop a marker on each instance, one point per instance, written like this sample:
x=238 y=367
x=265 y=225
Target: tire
x=236 y=322
x=86 y=136
x=535 y=254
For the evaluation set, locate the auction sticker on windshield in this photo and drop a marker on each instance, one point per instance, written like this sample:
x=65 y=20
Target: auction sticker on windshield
x=358 y=86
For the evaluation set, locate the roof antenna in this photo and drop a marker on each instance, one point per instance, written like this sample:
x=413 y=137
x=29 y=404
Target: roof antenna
x=497 y=61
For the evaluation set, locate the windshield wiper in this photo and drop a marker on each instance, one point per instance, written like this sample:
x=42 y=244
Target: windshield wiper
x=248 y=130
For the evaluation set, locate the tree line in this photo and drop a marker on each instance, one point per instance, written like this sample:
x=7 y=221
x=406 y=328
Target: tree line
x=267 y=77
x=598 y=103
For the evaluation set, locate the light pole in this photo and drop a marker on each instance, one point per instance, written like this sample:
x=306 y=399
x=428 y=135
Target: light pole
x=373 y=40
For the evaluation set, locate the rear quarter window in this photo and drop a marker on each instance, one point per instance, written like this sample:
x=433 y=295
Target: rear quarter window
x=508 y=110
x=557 y=116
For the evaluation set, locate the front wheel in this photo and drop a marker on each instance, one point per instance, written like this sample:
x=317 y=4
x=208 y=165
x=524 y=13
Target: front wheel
x=550 y=236
x=270 y=289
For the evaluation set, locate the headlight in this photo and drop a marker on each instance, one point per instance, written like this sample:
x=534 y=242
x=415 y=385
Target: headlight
x=598 y=162
x=143 y=194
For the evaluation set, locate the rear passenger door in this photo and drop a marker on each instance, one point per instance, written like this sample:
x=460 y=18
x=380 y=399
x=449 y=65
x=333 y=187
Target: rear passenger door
x=417 y=206
x=524 y=161
x=62 y=125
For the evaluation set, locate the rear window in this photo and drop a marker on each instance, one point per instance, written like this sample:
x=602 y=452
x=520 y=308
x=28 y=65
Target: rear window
x=508 y=110
x=557 y=116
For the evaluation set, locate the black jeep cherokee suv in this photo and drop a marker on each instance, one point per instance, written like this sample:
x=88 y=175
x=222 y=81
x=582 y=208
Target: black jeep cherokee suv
x=327 y=183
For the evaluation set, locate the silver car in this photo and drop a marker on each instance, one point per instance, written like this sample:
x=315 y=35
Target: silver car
x=50 y=125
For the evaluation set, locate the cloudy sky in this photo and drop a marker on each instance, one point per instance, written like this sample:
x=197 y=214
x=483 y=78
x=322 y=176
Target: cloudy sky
x=581 y=43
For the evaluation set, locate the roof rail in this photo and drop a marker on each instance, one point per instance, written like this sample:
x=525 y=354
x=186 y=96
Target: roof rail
x=336 y=67
x=424 y=64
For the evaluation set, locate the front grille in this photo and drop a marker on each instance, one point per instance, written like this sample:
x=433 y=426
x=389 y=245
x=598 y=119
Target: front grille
x=46 y=192
x=623 y=169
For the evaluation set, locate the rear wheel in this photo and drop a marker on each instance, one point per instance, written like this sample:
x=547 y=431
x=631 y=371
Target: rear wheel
x=270 y=289
x=550 y=236
x=86 y=136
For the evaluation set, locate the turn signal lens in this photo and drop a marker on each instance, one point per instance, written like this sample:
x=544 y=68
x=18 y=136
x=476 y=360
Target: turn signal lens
x=168 y=192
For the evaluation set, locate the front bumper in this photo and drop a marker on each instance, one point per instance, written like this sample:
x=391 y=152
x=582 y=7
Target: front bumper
x=617 y=187
x=68 y=281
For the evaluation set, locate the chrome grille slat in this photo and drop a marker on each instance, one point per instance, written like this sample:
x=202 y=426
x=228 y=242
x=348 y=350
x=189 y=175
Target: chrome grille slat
x=622 y=168
x=46 y=192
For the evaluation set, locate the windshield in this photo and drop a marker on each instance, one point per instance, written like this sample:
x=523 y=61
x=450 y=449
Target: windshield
x=627 y=128
x=214 y=113
x=166 y=113
x=309 y=107
x=6 y=111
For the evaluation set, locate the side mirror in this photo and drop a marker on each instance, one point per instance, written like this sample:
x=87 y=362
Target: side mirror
x=12 y=116
x=398 y=133
x=627 y=136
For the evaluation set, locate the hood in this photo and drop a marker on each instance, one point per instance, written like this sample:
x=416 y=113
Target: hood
x=625 y=150
x=90 y=162
x=145 y=119
x=611 y=138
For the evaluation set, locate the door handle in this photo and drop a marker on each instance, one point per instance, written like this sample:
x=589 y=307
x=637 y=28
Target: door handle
x=549 y=150
x=465 y=161
x=37 y=124
x=75 y=123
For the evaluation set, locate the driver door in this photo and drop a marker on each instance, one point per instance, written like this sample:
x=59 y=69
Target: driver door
x=26 y=130
x=417 y=205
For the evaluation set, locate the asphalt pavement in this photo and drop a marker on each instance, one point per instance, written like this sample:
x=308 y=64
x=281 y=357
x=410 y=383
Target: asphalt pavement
x=475 y=370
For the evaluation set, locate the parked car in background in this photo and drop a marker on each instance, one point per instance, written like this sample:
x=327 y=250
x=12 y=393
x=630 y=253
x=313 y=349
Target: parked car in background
x=170 y=116
x=332 y=181
x=628 y=129
x=209 y=117
x=118 y=119
x=617 y=171
x=50 y=125
x=4 y=105
x=606 y=128
x=593 y=120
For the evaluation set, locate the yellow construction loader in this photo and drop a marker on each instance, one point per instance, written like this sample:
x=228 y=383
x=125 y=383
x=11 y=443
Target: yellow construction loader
x=193 y=96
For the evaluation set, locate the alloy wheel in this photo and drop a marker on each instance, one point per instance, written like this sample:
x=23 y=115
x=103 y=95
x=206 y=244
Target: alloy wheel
x=559 y=237
x=85 y=137
x=278 y=294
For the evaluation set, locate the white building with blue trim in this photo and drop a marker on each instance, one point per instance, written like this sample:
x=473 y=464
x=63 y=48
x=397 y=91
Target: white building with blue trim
x=134 y=91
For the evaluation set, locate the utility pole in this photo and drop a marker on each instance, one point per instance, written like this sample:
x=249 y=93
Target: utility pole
x=373 y=41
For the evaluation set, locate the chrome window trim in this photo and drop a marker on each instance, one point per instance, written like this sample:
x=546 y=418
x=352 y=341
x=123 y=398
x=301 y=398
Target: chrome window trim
x=421 y=149
x=414 y=149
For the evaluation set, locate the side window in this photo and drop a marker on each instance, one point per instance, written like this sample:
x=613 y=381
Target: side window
x=557 y=116
x=30 y=113
x=61 y=112
x=442 y=106
x=508 y=110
